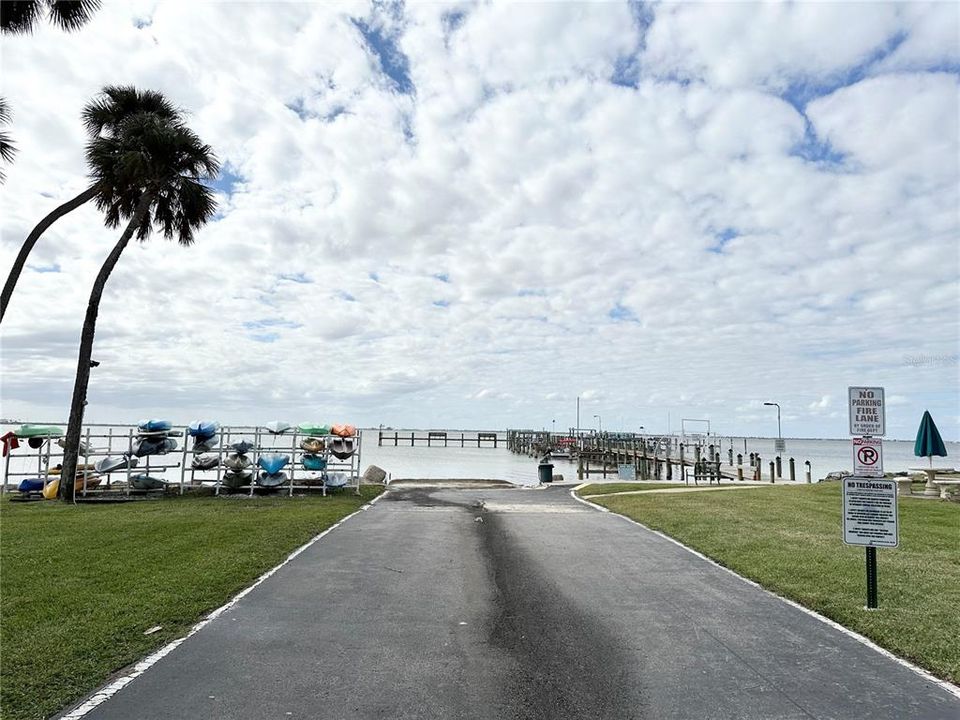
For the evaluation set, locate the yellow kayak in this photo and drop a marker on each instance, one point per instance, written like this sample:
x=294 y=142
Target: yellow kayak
x=51 y=489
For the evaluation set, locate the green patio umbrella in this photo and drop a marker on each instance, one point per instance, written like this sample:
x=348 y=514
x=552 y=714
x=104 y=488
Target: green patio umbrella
x=929 y=442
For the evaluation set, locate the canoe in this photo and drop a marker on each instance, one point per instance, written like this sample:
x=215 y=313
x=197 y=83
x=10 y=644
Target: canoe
x=343 y=430
x=265 y=479
x=154 y=425
x=342 y=447
x=234 y=480
x=272 y=463
x=202 y=429
x=202 y=446
x=314 y=462
x=313 y=429
x=277 y=427
x=38 y=431
x=53 y=487
x=141 y=481
x=312 y=445
x=109 y=464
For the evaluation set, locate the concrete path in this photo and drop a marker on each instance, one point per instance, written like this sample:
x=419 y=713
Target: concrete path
x=516 y=603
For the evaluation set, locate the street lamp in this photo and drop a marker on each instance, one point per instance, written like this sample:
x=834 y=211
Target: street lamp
x=599 y=423
x=779 y=434
x=554 y=430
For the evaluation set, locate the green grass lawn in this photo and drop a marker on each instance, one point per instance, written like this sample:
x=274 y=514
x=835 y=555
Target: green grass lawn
x=606 y=488
x=79 y=585
x=789 y=540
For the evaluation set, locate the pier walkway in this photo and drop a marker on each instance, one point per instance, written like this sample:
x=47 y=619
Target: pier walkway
x=508 y=603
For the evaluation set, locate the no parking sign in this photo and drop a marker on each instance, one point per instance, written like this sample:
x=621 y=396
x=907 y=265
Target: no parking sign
x=868 y=457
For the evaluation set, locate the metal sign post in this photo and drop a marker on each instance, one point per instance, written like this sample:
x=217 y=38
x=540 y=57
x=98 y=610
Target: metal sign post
x=869 y=501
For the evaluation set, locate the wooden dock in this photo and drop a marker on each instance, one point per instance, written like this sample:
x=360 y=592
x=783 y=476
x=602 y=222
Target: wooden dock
x=438 y=438
x=666 y=458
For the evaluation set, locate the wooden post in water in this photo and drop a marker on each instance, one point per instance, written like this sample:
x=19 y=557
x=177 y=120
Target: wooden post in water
x=807 y=463
x=730 y=455
x=793 y=472
x=580 y=467
x=779 y=468
x=758 y=468
x=683 y=467
x=739 y=460
x=717 y=468
x=772 y=467
x=740 y=473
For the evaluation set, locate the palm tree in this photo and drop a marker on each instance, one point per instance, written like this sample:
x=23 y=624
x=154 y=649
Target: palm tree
x=155 y=170
x=7 y=150
x=103 y=116
x=22 y=16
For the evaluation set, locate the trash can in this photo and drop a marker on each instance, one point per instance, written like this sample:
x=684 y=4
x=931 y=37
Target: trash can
x=545 y=472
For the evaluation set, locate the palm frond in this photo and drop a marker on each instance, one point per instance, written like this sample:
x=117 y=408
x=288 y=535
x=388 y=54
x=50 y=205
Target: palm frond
x=18 y=17
x=71 y=14
x=147 y=152
x=115 y=103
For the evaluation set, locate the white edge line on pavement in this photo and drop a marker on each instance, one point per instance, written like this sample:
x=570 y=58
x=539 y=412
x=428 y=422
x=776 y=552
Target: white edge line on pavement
x=141 y=667
x=949 y=687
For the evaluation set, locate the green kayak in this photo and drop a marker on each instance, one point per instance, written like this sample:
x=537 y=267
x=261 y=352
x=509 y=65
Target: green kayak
x=313 y=429
x=30 y=431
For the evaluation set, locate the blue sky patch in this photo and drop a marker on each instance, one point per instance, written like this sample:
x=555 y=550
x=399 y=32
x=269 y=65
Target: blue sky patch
x=393 y=63
x=621 y=314
x=267 y=337
x=54 y=268
x=814 y=150
x=270 y=322
x=374 y=276
x=227 y=180
x=344 y=295
x=299 y=277
x=722 y=238
x=626 y=69
x=441 y=303
x=442 y=277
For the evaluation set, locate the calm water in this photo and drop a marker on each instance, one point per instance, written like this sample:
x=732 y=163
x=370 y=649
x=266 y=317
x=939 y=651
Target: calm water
x=455 y=462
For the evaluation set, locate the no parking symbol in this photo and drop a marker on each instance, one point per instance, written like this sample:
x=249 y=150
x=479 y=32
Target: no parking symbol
x=868 y=457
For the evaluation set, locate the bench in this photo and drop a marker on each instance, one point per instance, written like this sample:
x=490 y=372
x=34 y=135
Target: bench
x=944 y=485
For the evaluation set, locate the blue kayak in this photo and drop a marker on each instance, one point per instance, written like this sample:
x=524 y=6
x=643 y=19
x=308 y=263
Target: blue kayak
x=272 y=463
x=314 y=462
x=154 y=425
x=30 y=485
x=202 y=429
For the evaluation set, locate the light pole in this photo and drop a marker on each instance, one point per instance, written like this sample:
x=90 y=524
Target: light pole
x=554 y=430
x=779 y=434
x=599 y=424
x=578 y=414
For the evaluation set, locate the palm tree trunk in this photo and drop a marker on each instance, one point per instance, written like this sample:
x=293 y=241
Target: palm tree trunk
x=71 y=449
x=31 y=240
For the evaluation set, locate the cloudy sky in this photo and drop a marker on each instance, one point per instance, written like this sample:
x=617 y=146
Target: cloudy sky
x=468 y=214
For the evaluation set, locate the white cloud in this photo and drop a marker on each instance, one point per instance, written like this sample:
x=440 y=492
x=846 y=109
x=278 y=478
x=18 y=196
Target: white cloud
x=518 y=229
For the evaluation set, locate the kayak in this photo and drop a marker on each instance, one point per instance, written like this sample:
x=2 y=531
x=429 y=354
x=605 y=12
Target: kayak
x=312 y=445
x=234 y=480
x=342 y=447
x=243 y=447
x=335 y=480
x=53 y=488
x=314 y=462
x=277 y=427
x=236 y=462
x=80 y=468
x=205 y=462
x=154 y=425
x=84 y=449
x=202 y=429
x=202 y=446
x=265 y=479
x=30 y=485
x=344 y=430
x=272 y=463
x=109 y=464
x=38 y=431
x=154 y=446
x=313 y=429
x=141 y=481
